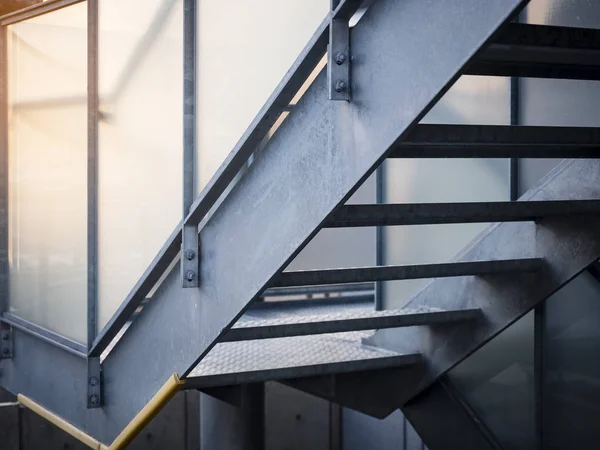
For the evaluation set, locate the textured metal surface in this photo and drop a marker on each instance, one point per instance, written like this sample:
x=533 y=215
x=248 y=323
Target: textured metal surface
x=339 y=60
x=94 y=383
x=44 y=334
x=275 y=359
x=265 y=326
x=567 y=245
x=407 y=272
x=438 y=213
x=495 y=141
x=537 y=51
x=365 y=288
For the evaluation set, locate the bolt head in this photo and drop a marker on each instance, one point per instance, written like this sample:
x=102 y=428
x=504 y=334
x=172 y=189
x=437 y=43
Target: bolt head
x=190 y=254
x=94 y=381
x=95 y=400
x=5 y=351
x=340 y=86
x=340 y=58
x=190 y=275
x=5 y=336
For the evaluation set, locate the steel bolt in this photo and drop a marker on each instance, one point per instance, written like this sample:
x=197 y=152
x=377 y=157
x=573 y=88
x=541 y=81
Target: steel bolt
x=340 y=86
x=190 y=275
x=340 y=58
x=190 y=254
x=5 y=351
x=94 y=381
x=95 y=400
x=5 y=336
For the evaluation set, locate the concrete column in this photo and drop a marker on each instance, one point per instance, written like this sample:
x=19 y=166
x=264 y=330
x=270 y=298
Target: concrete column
x=235 y=425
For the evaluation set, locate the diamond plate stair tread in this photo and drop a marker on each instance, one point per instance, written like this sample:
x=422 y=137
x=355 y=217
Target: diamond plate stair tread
x=332 y=314
x=233 y=363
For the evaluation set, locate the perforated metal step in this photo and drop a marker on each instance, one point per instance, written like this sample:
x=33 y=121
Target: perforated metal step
x=232 y=363
x=282 y=323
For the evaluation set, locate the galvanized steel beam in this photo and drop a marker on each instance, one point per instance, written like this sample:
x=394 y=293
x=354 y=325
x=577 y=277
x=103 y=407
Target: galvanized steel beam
x=35 y=10
x=4 y=261
x=407 y=272
x=439 y=213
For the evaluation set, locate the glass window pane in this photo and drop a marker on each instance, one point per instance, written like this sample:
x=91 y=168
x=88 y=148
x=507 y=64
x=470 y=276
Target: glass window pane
x=571 y=367
x=472 y=100
x=140 y=139
x=498 y=383
x=48 y=170
x=240 y=64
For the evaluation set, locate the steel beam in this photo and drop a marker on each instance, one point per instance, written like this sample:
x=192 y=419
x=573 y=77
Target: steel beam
x=407 y=272
x=367 y=288
x=439 y=213
x=496 y=141
x=537 y=51
x=568 y=246
x=341 y=321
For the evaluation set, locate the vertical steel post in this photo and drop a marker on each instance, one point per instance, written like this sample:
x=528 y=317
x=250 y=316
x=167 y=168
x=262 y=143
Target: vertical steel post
x=92 y=173
x=515 y=119
x=94 y=375
x=189 y=252
x=4 y=266
x=379 y=237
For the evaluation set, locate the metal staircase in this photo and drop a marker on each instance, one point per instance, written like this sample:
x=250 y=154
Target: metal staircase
x=405 y=56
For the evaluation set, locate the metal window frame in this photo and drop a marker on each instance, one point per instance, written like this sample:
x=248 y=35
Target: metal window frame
x=38 y=9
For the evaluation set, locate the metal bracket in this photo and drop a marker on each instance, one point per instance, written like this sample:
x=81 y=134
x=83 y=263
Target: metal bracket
x=339 y=59
x=6 y=343
x=94 y=383
x=190 y=264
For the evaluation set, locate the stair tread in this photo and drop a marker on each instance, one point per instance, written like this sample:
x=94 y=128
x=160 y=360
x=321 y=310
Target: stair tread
x=292 y=357
x=541 y=51
x=406 y=272
x=280 y=322
x=440 y=213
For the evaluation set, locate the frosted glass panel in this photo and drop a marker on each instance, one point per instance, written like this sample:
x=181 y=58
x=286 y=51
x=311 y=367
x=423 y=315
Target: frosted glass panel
x=472 y=100
x=244 y=50
x=140 y=139
x=48 y=169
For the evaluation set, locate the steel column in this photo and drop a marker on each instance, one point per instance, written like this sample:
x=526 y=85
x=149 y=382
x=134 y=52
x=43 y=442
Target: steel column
x=4 y=262
x=190 y=262
x=225 y=426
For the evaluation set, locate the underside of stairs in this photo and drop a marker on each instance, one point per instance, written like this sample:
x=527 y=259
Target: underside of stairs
x=241 y=325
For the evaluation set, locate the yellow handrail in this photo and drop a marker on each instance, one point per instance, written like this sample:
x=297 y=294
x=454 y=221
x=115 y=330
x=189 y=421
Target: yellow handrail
x=143 y=418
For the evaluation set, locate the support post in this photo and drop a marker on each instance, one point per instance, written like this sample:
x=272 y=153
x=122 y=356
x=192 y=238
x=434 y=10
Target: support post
x=338 y=62
x=4 y=266
x=234 y=427
x=190 y=268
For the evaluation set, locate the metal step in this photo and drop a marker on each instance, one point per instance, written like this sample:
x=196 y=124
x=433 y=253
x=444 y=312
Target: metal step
x=407 y=272
x=496 y=141
x=539 y=51
x=276 y=324
x=244 y=362
x=439 y=213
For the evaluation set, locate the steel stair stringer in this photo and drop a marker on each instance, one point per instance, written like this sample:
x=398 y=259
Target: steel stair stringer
x=568 y=246
x=406 y=55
